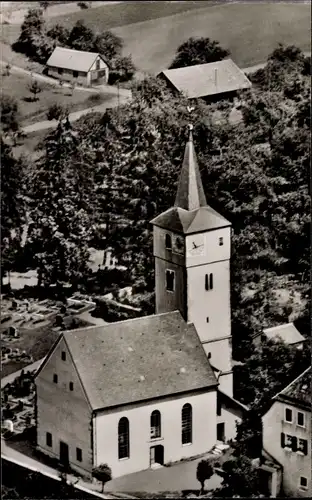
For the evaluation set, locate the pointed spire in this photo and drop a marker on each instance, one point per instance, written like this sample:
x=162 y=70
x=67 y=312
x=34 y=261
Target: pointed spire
x=190 y=194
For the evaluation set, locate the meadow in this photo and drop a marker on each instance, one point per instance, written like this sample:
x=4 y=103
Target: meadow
x=16 y=85
x=152 y=31
x=251 y=32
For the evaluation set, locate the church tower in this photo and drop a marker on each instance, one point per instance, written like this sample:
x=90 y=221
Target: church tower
x=192 y=247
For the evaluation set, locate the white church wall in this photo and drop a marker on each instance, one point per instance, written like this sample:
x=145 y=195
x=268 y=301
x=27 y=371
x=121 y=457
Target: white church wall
x=106 y=432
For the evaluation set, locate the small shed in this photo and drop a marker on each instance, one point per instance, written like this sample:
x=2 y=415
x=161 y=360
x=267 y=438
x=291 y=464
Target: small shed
x=84 y=68
x=288 y=333
x=211 y=81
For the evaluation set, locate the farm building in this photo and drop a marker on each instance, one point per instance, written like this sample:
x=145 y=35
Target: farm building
x=288 y=333
x=212 y=81
x=84 y=68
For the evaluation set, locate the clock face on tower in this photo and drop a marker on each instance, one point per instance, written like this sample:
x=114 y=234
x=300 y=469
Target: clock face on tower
x=178 y=245
x=196 y=245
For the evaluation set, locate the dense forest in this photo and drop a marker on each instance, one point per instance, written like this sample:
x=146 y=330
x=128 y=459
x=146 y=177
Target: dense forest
x=99 y=182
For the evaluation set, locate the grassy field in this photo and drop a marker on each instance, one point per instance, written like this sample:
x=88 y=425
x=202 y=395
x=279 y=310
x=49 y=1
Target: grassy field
x=152 y=31
x=16 y=85
x=250 y=32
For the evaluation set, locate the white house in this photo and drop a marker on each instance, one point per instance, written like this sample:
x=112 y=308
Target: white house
x=287 y=435
x=84 y=68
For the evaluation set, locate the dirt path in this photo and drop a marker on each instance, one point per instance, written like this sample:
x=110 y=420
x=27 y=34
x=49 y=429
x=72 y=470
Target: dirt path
x=46 y=124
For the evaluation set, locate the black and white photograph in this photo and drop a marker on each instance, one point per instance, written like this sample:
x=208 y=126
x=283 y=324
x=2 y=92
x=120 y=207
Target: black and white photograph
x=155 y=249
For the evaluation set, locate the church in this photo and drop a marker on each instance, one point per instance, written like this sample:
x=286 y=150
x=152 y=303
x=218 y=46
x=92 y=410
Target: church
x=159 y=388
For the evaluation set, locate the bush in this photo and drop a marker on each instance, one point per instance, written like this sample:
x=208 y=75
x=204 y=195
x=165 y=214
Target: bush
x=122 y=69
x=56 y=112
x=95 y=98
x=9 y=114
x=83 y=5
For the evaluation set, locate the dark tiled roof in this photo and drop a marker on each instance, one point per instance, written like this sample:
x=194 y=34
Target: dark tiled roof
x=299 y=391
x=207 y=79
x=190 y=194
x=183 y=221
x=139 y=359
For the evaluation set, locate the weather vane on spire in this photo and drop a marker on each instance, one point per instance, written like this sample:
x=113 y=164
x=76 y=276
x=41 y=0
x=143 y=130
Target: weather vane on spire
x=190 y=125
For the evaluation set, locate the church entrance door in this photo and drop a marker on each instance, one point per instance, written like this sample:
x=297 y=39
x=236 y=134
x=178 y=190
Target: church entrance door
x=157 y=455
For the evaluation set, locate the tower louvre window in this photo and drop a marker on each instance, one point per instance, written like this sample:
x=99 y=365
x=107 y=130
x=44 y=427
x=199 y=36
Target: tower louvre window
x=209 y=281
x=168 y=242
x=220 y=242
x=170 y=275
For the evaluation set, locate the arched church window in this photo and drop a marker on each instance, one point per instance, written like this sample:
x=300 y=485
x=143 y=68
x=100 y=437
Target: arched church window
x=187 y=424
x=170 y=275
x=155 y=424
x=168 y=242
x=123 y=438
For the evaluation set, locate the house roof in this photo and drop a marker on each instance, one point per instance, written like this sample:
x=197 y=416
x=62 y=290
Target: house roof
x=288 y=333
x=139 y=359
x=207 y=79
x=299 y=391
x=75 y=60
x=196 y=221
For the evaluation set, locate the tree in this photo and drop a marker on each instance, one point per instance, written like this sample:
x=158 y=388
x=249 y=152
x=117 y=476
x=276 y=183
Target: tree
x=204 y=472
x=34 y=88
x=57 y=112
x=60 y=212
x=198 y=51
x=268 y=370
x=240 y=479
x=33 y=25
x=81 y=37
x=44 y=5
x=122 y=69
x=60 y=33
x=102 y=473
x=12 y=207
x=108 y=45
x=9 y=114
x=249 y=435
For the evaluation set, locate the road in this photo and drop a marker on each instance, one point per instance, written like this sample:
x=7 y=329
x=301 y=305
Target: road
x=34 y=465
x=46 y=124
